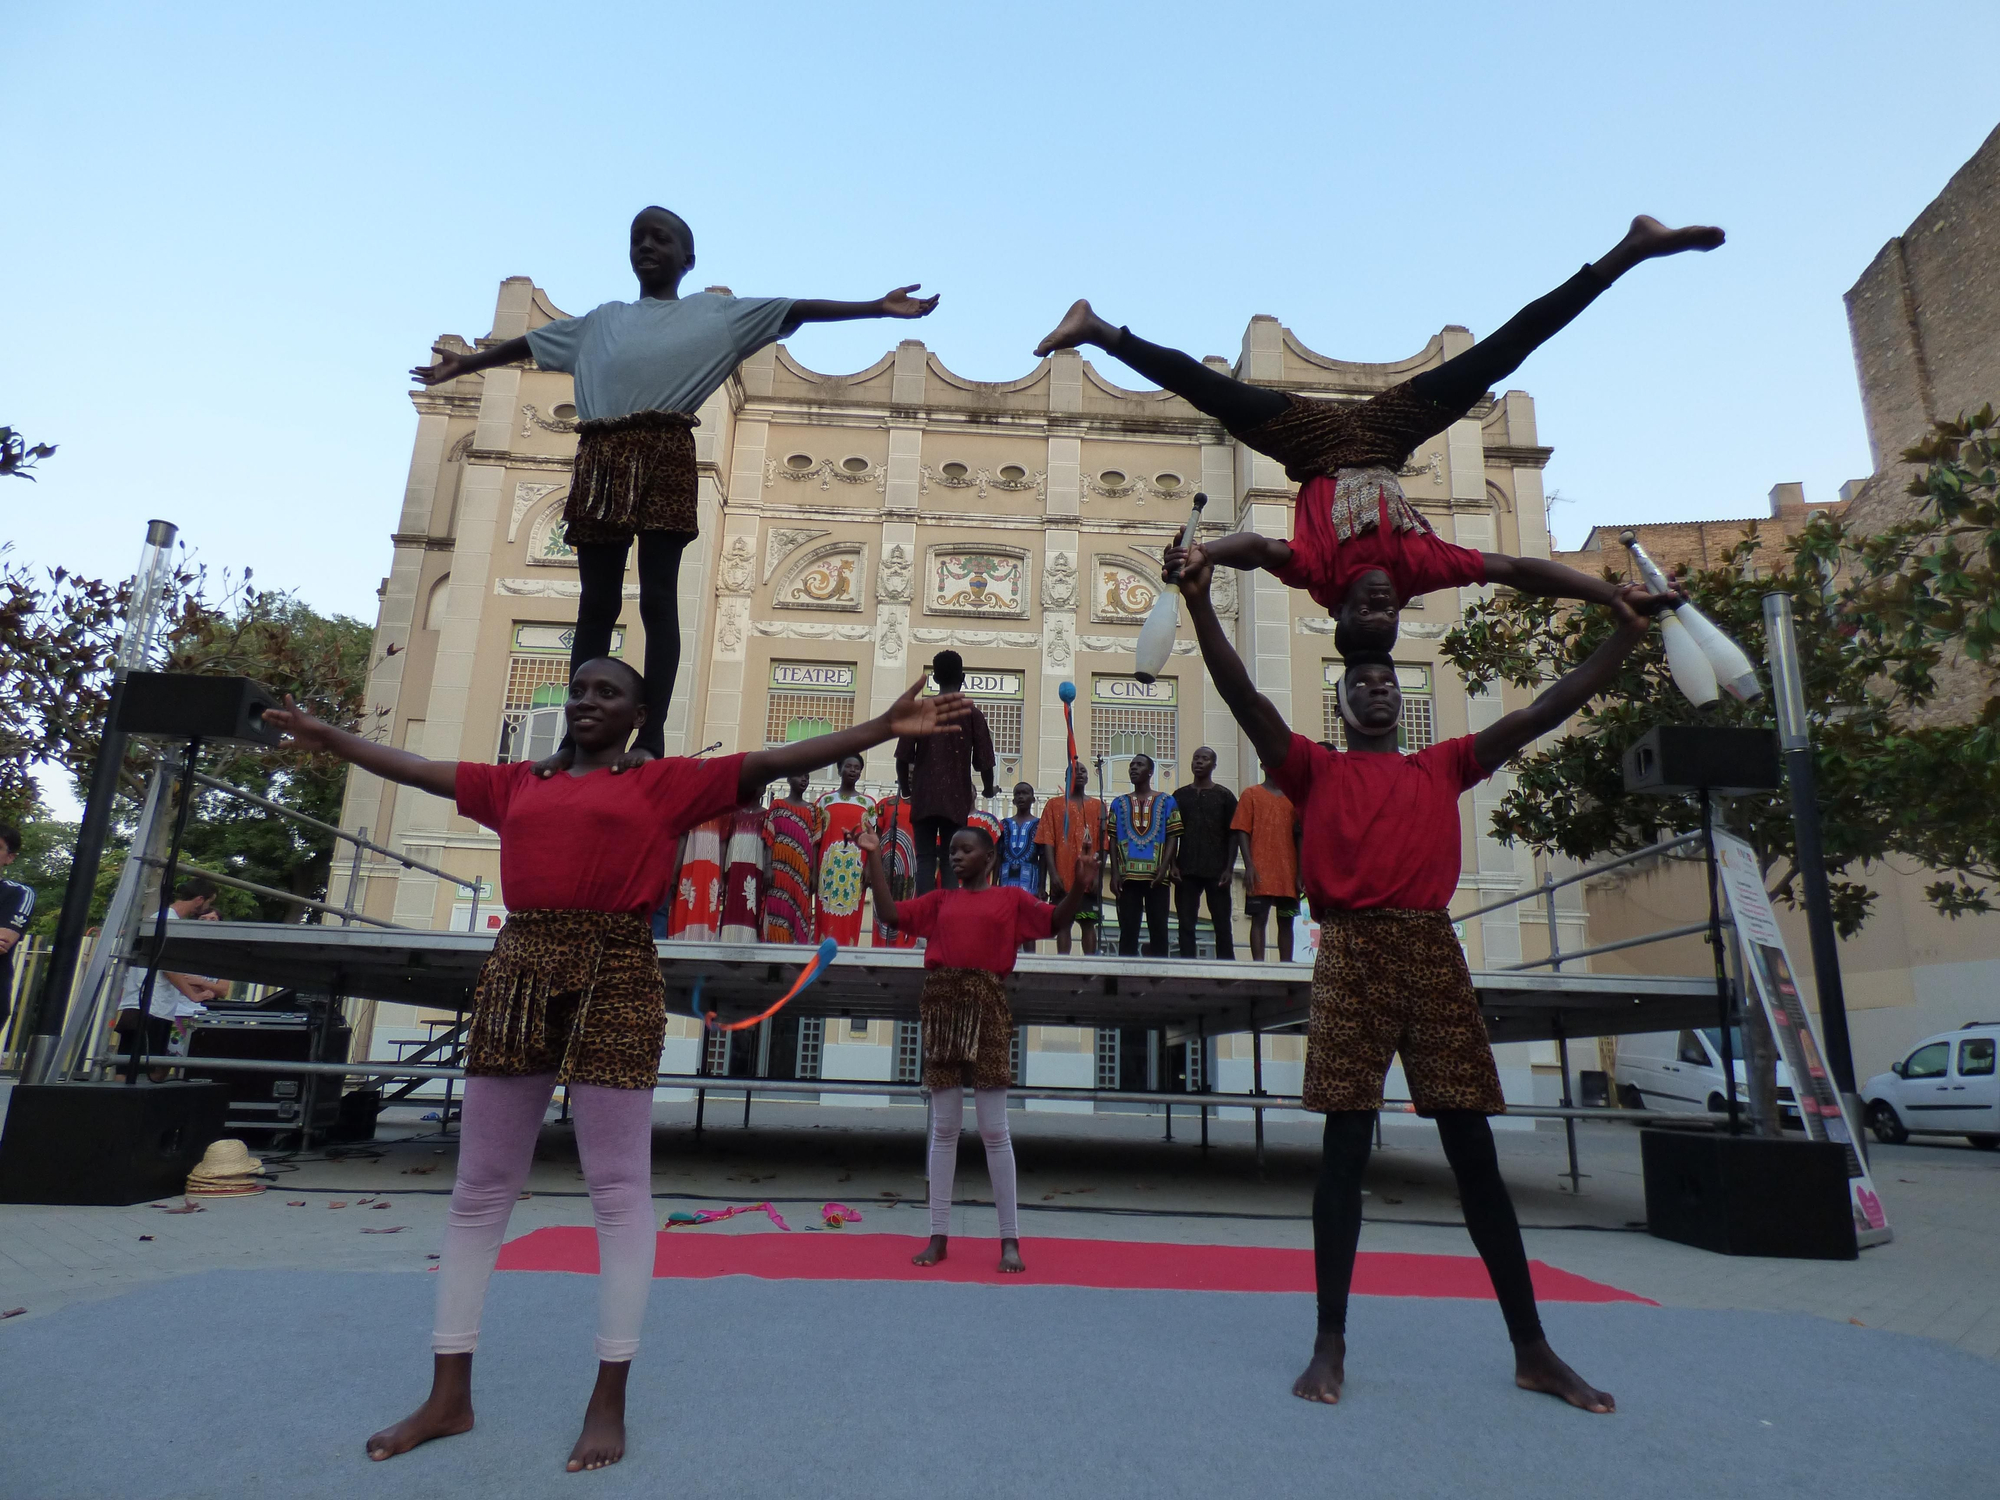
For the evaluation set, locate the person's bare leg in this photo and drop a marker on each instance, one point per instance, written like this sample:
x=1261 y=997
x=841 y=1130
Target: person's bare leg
x=446 y=1412
x=602 y=1441
x=1647 y=239
x=1010 y=1257
x=1536 y=1368
x=1256 y=940
x=1285 y=931
x=932 y=1253
x=1080 y=325
x=1326 y=1372
x=1062 y=941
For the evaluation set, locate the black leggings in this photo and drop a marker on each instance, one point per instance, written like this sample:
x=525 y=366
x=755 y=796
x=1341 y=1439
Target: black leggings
x=1453 y=386
x=601 y=568
x=1489 y=1214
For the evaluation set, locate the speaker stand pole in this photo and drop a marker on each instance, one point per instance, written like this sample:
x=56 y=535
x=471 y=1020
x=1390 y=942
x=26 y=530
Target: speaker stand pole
x=137 y=1044
x=1725 y=1005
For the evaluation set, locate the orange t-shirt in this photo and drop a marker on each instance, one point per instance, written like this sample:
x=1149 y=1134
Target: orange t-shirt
x=1269 y=818
x=1085 y=821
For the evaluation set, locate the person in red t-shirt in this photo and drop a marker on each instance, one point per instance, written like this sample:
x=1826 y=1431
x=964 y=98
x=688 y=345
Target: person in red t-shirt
x=1381 y=858
x=572 y=994
x=1352 y=518
x=973 y=934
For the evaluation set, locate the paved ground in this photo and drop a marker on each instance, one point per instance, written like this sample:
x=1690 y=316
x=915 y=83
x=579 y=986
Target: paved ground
x=1109 y=1177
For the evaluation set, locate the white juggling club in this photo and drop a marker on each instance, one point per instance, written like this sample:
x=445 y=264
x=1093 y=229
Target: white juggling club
x=1729 y=666
x=1156 y=636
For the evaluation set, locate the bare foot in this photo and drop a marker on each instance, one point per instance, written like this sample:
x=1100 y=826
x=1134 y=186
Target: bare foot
x=1079 y=326
x=446 y=1412
x=1327 y=1372
x=1536 y=1368
x=931 y=1254
x=1649 y=239
x=1010 y=1258
x=602 y=1442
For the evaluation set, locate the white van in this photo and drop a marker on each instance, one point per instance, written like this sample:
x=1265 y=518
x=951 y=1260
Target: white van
x=1945 y=1086
x=1681 y=1071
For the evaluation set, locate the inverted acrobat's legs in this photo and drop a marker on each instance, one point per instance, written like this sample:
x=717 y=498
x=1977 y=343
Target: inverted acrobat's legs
x=1237 y=406
x=1496 y=1234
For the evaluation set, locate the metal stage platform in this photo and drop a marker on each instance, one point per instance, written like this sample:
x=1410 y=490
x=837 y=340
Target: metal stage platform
x=1181 y=996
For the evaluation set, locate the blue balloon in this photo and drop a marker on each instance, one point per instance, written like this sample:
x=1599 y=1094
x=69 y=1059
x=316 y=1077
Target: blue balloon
x=1067 y=692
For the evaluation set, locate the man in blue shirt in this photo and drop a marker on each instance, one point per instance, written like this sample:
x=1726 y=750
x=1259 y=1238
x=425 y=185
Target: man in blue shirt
x=1145 y=827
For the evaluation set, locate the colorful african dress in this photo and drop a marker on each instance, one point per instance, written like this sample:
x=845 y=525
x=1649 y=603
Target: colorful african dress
x=841 y=866
x=788 y=886
x=697 y=911
x=899 y=860
x=1016 y=848
x=743 y=881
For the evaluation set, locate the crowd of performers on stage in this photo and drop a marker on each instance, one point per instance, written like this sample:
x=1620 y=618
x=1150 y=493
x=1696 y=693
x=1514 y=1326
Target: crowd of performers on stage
x=607 y=832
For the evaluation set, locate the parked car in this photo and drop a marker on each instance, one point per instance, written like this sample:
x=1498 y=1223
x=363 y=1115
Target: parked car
x=1681 y=1071
x=1947 y=1085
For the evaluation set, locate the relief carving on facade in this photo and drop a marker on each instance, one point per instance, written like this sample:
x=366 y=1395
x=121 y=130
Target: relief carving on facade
x=802 y=630
x=1019 y=640
x=1222 y=592
x=826 y=471
x=460 y=448
x=526 y=493
x=828 y=578
x=1059 y=649
x=547 y=545
x=782 y=542
x=1059 y=582
x=976 y=581
x=889 y=644
x=548 y=588
x=955 y=476
x=531 y=419
x=1137 y=488
x=892 y=579
x=1121 y=645
x=1120 y=592
x=729 y=628
x=738 y=563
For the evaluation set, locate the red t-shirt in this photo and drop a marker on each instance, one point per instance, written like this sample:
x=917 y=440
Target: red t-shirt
x=1381 y=830
x=975 y=929
x=595 y=842
x=1416 y=561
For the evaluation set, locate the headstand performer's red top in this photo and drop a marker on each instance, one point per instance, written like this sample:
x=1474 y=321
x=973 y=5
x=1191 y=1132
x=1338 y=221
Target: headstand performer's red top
x=1416 y=560
x=597 y=842
x=975 y=929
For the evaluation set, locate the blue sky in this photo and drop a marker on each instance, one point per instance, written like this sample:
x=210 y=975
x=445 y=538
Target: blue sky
x=230 y=229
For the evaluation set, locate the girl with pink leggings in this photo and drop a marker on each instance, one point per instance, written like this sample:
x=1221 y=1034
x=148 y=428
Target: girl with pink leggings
x=572 y=995
x=973 y=934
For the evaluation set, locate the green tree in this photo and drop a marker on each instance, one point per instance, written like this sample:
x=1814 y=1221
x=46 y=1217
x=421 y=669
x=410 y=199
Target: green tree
x=1877 y=617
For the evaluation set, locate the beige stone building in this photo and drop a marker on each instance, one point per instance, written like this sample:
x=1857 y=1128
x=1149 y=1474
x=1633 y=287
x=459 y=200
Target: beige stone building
x=851 y=526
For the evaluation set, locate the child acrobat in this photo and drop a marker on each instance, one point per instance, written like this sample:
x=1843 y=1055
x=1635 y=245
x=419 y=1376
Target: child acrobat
x=642 y=370
x=1352 y=521
x=974 y=931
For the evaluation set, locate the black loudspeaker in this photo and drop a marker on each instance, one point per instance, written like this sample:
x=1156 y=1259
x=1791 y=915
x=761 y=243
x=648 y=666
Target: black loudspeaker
x=1677 y=758
x=1748 y=1195
x=106 y=1143
x=182 y=706
x=356 y=1121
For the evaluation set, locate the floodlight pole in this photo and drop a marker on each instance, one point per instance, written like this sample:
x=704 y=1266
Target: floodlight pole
x=1795 y=743
x=142 y=622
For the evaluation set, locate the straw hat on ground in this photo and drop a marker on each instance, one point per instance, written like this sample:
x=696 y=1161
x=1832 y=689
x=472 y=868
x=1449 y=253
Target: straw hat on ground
x=227 y=1170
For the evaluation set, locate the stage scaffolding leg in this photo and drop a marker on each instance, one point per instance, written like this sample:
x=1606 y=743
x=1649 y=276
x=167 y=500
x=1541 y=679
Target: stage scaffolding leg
x=1562 y=1037
x=1201 y=1040
x=1257 y=1085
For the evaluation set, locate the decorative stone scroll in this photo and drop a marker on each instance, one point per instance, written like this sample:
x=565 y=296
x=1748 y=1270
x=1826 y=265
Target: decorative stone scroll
x=1122 y=591
x=828 y=577
x=985 y=581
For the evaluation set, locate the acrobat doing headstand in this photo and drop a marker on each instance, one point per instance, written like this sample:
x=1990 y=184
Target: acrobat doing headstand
x=1381 y=856
x=642 y=369
x=1353 y=525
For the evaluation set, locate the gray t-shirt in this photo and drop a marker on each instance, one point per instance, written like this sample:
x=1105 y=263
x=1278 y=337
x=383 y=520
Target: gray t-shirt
x=658 y=354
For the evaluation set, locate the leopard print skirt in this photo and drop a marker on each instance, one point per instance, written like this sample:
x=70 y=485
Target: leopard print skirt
x=968 y=1030
x=573 y=993
x=633 y=473
x=1314 y=438
x=1390 y=982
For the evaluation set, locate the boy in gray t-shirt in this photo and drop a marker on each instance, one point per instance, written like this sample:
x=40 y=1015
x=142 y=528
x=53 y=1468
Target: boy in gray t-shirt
x=641 y=370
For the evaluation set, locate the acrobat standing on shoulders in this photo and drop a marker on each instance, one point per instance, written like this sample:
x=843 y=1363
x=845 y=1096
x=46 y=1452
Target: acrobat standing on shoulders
x=1381 y=854
x=1352 y=520
x=642 y=370
x=974 y=930
x=572 y=995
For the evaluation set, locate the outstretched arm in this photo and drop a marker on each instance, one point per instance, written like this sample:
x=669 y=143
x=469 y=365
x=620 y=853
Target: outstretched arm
x=451 y=363
x=1257 y=714
x=908 y=715
x=438 y=777
x=1240 y=549
x=1551 y=580
x=869 y=842
x=896 y=304
x=1078 y=894
x=1499 y=742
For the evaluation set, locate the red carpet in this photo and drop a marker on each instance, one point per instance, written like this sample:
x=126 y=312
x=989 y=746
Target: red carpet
x=846 y=1255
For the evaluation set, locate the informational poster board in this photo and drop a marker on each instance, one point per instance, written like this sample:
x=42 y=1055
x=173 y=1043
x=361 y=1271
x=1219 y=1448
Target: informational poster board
x=1770 y=970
